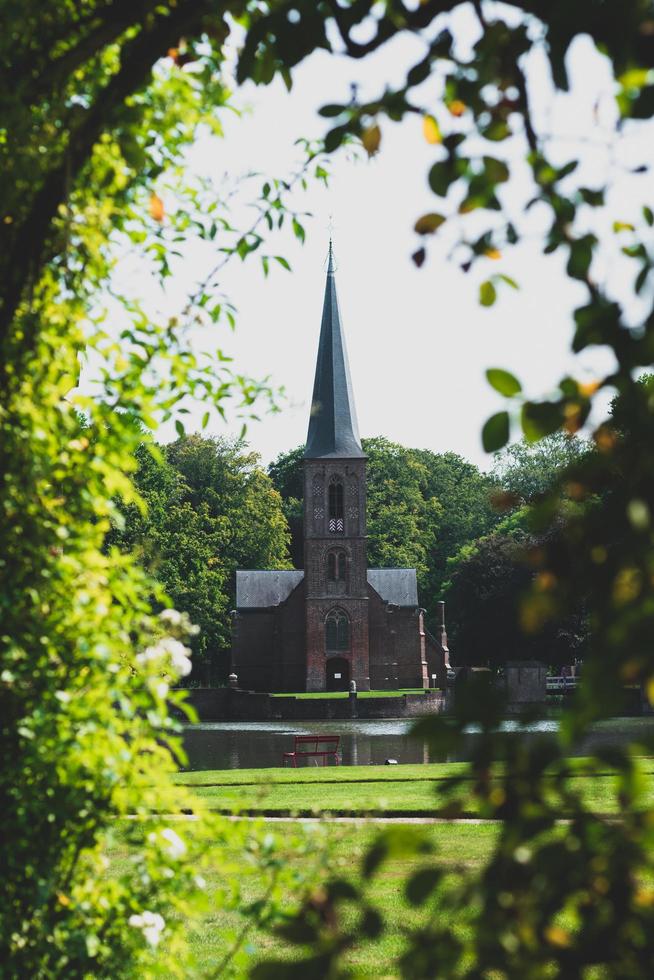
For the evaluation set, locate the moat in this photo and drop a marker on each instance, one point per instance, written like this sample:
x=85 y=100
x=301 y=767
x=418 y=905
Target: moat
x=258 y=745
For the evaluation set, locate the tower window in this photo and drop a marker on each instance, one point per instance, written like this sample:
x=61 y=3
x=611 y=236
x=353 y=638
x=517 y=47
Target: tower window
x=337 y=631
x=336 y=565
x=336 y=513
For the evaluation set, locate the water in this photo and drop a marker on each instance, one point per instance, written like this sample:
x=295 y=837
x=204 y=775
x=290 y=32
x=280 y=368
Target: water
x=257 y=745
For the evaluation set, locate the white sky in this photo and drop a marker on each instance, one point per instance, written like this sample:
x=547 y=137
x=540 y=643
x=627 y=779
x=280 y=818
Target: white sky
x=418 y=341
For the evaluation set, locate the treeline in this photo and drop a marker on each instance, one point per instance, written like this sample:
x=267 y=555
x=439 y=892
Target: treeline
x=211 y=508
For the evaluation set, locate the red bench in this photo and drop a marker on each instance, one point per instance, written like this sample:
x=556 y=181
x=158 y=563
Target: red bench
x=324 y=747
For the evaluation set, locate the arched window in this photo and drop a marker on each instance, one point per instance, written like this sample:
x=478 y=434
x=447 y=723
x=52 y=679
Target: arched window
x=336 y=511
x=337 y=631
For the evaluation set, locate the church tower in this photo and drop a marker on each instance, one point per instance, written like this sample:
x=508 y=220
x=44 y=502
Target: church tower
x=335 y=559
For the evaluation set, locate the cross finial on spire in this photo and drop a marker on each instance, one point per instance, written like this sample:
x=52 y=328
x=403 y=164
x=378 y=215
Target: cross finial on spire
x=331 y=268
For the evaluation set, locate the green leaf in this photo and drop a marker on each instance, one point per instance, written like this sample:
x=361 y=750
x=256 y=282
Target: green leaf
x=581 y=256
x=299 y=931
x=371 y=924
x=496 y=131
x=497 y=171
x=623 y=226
x=331 y=110
x=540 y=419
x=641 y=278
x=648 y=215
x=504 y=382
x=179 y=427
x=595 y=198
x=334 y=138
x=440 y=178
x=205 y=420
x=421 y=884
x=495 y=433
x=507 y=279
x=282 y=261
x=487 y=293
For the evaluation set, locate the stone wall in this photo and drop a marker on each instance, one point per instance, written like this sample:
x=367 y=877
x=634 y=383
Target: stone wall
x=226 y=704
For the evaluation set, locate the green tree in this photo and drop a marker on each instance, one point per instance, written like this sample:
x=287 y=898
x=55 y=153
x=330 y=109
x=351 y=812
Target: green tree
x=528 y=470
x=402 y=518
x=466 y=498
x=210 y=510
x=489 y=578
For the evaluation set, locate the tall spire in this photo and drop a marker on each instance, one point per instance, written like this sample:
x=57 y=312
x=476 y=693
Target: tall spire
x=333 y=429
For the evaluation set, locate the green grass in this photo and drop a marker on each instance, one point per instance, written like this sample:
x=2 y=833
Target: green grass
x=417 y=790
x=328 y=850
x=305 y=696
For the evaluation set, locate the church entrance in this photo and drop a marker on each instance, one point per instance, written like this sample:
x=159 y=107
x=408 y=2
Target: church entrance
x=338 y=674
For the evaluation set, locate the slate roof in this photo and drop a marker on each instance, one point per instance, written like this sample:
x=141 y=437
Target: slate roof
x=259 y=590
x=333 y=428
x=396 y=585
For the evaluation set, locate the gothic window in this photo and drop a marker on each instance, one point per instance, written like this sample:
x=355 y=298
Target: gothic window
x=336 y=510
x=337 y=631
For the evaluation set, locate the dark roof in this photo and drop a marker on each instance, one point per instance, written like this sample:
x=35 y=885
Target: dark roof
x=333 y=429
x=259 y=590
x=396 y=585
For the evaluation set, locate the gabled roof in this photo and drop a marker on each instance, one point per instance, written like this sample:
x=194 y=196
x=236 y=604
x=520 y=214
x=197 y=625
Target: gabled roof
x=260 y=590
x=396 y=585
x=333 y=428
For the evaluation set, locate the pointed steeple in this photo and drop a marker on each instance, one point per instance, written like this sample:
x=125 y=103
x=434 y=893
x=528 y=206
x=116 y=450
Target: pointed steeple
x=333 y=429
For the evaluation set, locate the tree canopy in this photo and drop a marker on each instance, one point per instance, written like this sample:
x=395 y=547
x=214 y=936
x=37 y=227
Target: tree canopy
x=211 y=509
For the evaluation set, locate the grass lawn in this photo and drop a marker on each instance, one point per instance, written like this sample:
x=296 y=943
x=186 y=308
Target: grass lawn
x=305 y=696
x=326 y=849
x=264 y=868
x=412 y=790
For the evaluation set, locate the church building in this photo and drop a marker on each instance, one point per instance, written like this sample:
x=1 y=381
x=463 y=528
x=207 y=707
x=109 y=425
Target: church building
x=337 y=620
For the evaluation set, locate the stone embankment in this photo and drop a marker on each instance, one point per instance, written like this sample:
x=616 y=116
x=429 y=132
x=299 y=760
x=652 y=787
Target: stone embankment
x=230 y=704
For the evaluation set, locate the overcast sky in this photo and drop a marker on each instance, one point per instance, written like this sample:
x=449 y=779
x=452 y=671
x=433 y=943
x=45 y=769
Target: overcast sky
x=418 y=341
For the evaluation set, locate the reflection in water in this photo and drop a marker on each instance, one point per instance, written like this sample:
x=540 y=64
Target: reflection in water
x=256 y=745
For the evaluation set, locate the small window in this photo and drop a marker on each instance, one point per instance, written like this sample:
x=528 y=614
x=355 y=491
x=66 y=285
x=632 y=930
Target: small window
x=337 y=631
x=336 y=512
x=336 y=566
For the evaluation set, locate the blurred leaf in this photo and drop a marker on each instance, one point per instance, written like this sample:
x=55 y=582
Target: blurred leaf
x=487 y=293
x=156 y=207
x=371 y=139
x=440 y=178
x=581 y=256
x=421 y=884
x=428 y=223
x=495 y=433
x=504 y=382
x=540 y=419
x=431 y=130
